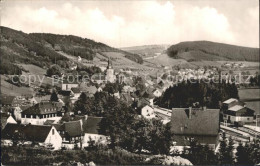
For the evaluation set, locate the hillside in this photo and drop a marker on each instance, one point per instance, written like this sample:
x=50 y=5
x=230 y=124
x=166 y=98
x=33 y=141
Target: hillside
x=146 y=50
x=211 y=51
x=41 y=49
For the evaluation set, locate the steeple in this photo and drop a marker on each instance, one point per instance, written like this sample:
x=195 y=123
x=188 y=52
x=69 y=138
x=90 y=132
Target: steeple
x=109 y=63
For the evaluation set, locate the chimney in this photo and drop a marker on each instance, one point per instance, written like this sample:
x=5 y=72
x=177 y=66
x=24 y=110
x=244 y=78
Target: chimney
x=190 y=109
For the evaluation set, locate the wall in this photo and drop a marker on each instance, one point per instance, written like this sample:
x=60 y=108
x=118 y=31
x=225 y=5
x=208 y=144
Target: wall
x=54 y=138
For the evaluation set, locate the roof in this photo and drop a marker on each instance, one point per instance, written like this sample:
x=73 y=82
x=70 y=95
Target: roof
x=30 y=132
x=73 y=128
x=201 y=122
x=65 y=92
x=92 y=125
x=49 y=122
x=7 y=100
x=44 y=108
x=4 y=118
x=70 y=81
x=75 y=90
x=230 y=101
x=236 y=108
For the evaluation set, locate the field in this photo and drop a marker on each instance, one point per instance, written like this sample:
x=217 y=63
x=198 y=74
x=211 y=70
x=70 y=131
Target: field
x=251 y=97
x=12 y=90
x=249 y=94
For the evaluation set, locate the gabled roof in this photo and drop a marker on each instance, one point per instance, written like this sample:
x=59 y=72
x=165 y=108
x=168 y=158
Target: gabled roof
x=75 y=90
x=236 y=108
x=230 y=101
x=92 y=125
x=44 y=108
x=37 y=133
x=73 y=128
x=201 y=122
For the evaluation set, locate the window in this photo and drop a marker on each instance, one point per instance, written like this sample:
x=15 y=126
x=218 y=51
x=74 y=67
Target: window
x=53 y=131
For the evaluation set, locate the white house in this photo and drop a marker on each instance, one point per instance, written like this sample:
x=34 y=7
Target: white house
x=68 y=84
x=46 y=136
x=157 y=93
x=147 y=112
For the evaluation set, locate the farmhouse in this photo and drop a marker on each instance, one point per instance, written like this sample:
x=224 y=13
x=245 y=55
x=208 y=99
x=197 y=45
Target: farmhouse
x=46 y=136
x=195 y=124
x=41 y=112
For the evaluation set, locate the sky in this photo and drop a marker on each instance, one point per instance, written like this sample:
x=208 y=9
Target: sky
x=145 y=22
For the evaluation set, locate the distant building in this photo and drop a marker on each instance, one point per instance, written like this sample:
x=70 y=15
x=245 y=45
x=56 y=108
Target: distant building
x=79 y=59
x=148 y=112
x=41 y=112
x=239 y=113
x=5 y=119
x=46 y=136
x=201 y=125
x=110 y=77
x=235 y=110
x=157 y=92
x=68 y=84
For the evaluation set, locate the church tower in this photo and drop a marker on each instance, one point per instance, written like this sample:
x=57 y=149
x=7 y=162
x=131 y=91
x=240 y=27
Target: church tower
x=110 y=77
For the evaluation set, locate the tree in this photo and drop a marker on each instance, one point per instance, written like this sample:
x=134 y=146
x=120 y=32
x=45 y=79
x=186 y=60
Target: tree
x=54 y=97
x=242 y=155
x=54 y=70
x=225 y=155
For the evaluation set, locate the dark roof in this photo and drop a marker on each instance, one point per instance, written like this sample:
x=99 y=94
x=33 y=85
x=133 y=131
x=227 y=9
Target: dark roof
x=89 y=89
x=92 y=125
x=30 y=132
x=201 y=122
x=49 y=122
x=7 y=100
x=75 y=90
x=44 y=108
x=4 y=117
x=73 y=128
x=126 y=97
x=65 y=92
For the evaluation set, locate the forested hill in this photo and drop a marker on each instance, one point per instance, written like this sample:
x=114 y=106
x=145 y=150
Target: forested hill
x=41 y=49
x=206 y=50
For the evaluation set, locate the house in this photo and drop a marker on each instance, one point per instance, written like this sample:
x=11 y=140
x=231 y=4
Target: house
x=230 y=103
x=5 y=119
x=127 y=98
x=76 y=94
x=71 y=132
x=198 y=124
x=238 y=113
x=92 y=132
x=157 y=92
x=41 y=112
x=17 y=113
x=65 y=95
x=148 y=112
x=46 y=136
x=68 y=84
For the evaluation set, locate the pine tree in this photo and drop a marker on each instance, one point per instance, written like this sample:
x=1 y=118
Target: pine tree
x=225 y=155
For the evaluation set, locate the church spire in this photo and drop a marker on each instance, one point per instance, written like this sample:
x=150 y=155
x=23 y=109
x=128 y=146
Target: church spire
x=109 y=63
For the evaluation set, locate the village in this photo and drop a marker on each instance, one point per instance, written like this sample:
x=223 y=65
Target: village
x=48 y=121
